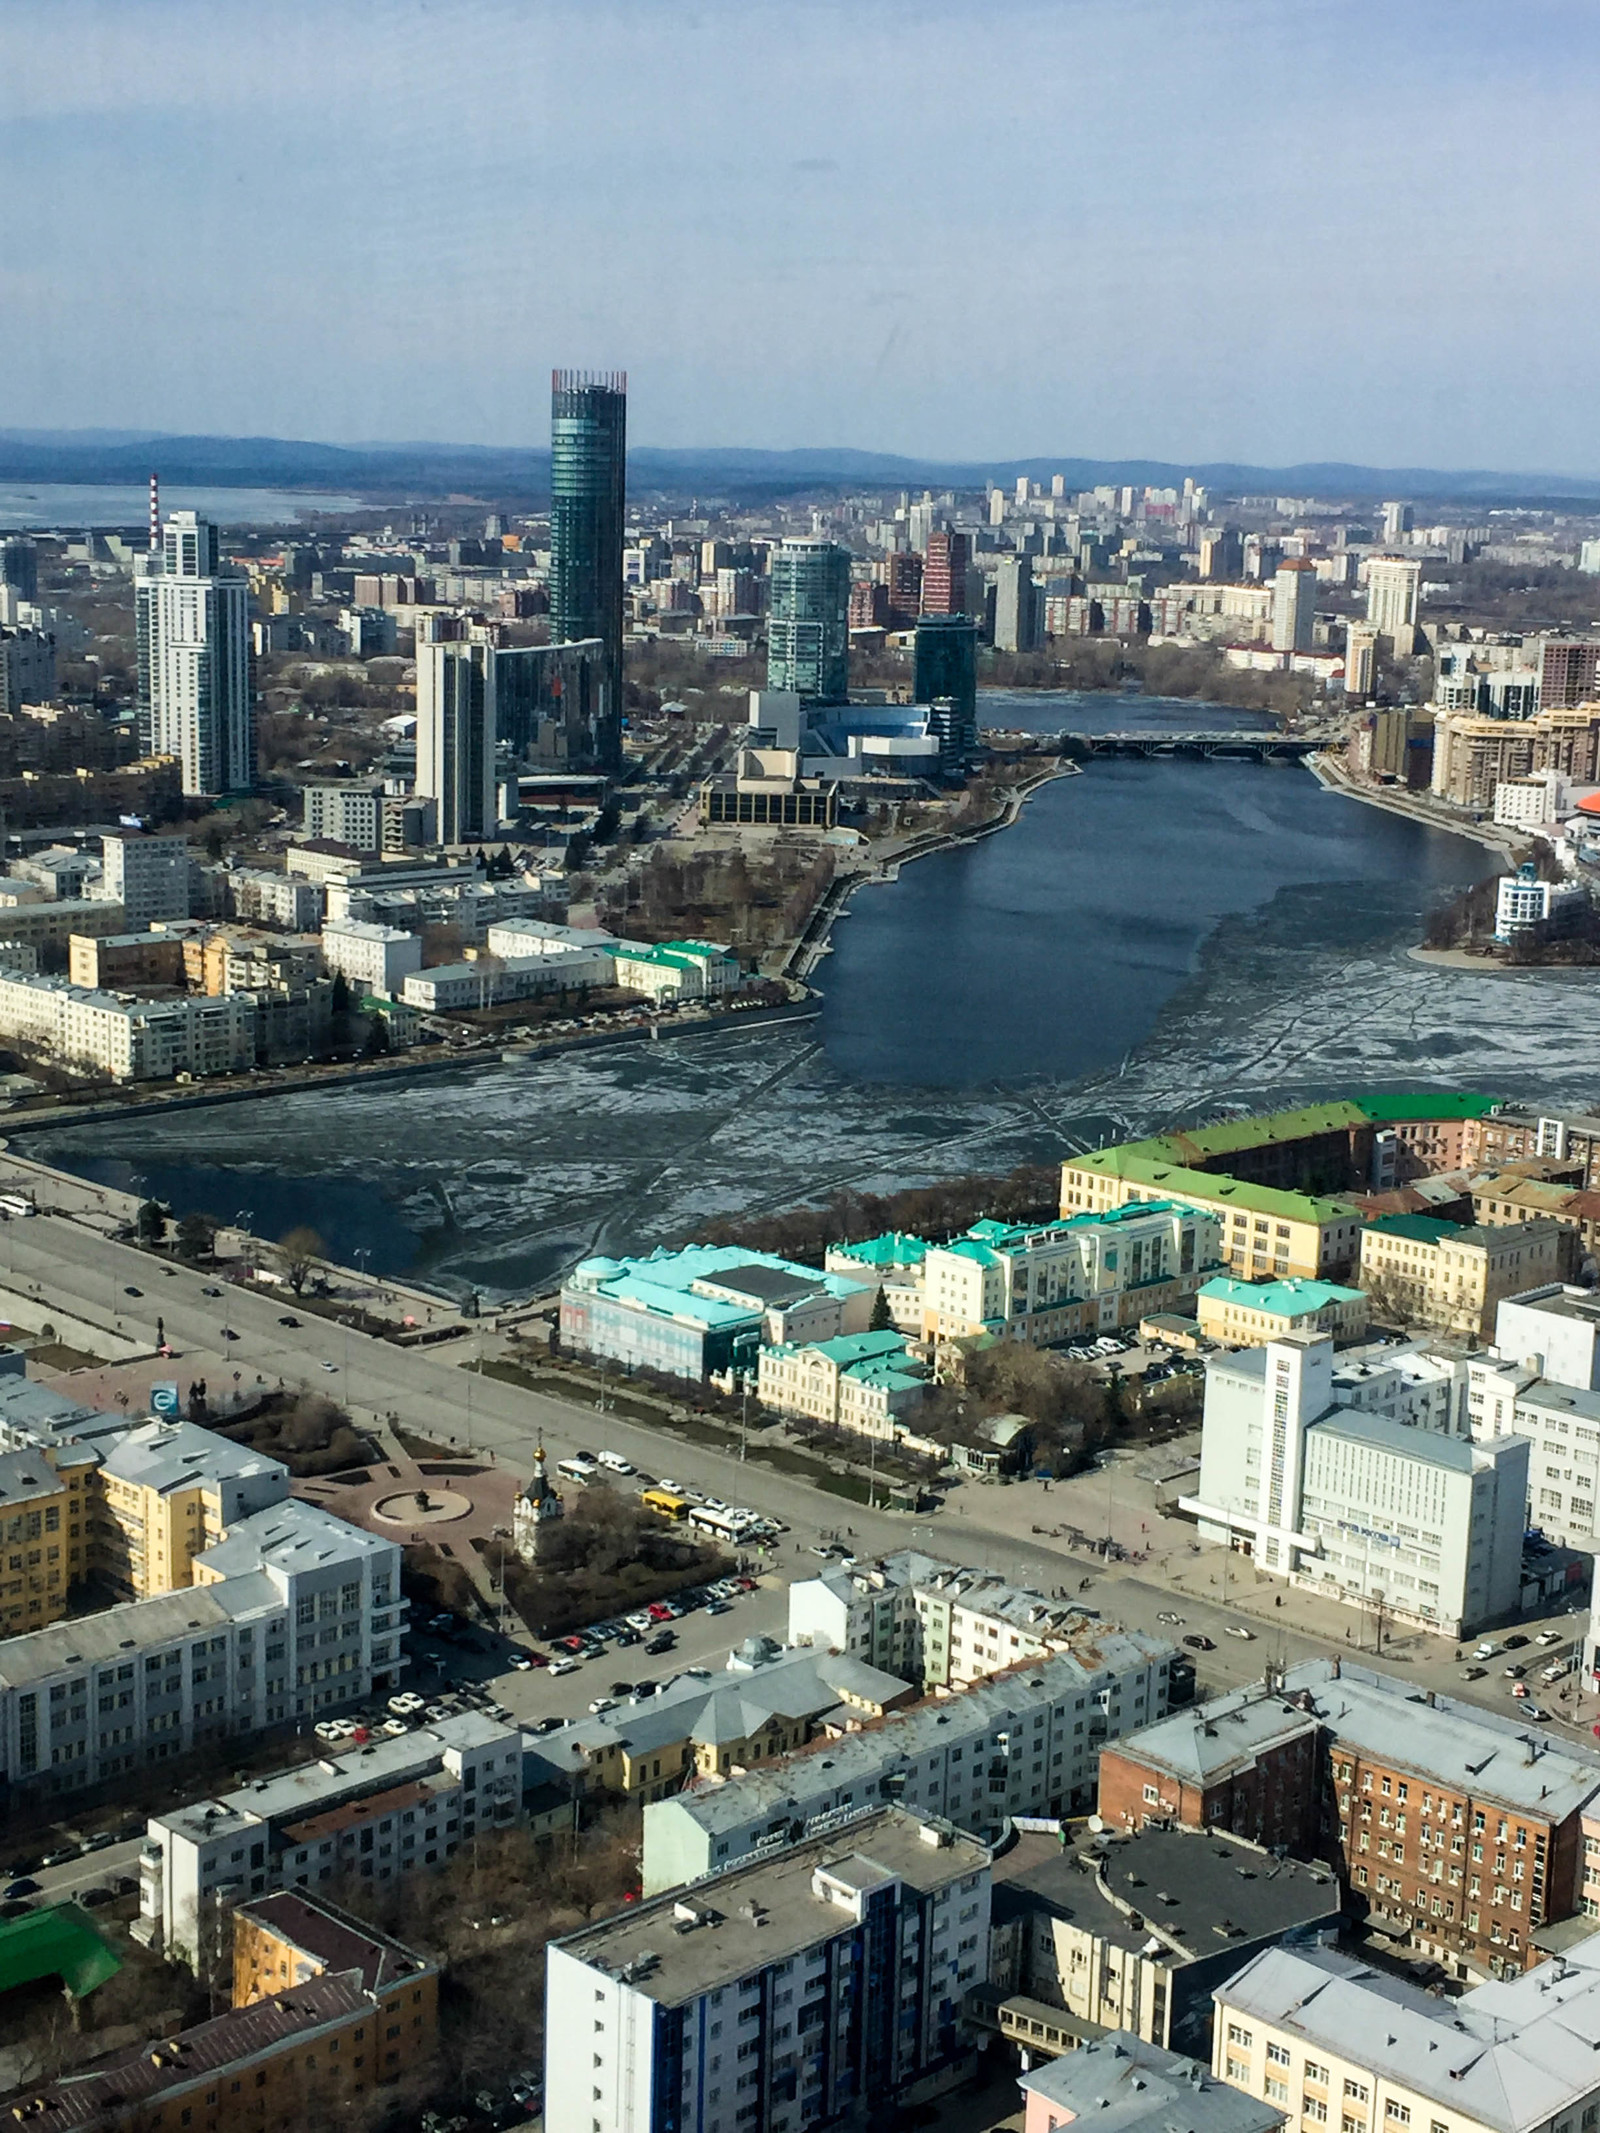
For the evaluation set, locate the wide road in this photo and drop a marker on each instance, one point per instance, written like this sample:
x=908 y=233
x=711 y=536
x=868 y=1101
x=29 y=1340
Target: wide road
x=433 y=1395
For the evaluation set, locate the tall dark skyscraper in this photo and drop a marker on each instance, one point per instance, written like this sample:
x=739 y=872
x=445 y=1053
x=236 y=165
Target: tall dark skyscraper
x=808 y=629
x=945 y=671
x=588 y=490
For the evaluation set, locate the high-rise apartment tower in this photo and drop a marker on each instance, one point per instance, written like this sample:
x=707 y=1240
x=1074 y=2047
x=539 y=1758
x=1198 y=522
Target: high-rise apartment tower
x=588 y=491
x=808 y=636
x=944 y=574
x=196 y=700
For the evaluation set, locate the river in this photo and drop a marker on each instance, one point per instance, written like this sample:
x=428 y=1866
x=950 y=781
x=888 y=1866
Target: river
x=30 y=506
x=1152 y=940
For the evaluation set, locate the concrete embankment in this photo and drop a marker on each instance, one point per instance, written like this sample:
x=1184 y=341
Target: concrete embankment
x=1330 y=773
x=137 y=1102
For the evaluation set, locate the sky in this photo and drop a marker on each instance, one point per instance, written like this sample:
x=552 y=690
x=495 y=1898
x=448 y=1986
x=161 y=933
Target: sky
x=1267 y=230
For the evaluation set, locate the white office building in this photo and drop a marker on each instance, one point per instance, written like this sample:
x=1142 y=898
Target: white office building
x=1352 y=1504
x=148 y=876
x=372 y=1810
x=1027 y=1742
x=456 y=740
x=802 y=1989
x=196 y=700
x=374 y=959
x=1394 y=584
x=1555 y=1331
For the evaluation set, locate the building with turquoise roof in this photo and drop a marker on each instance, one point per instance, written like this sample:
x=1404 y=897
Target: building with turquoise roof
x=705 y=1309
x=675 y=970
x=1046 y=1282
x=870 y=1383
x=1248 y=1314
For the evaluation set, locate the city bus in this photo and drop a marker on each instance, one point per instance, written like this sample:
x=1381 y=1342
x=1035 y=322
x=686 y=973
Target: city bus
x=665 y=1503
x=723 y=1526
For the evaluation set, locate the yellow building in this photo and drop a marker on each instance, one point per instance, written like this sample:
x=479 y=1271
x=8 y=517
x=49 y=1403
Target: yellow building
x=165 y=1493
x=1248 y=1314
x=125 y=960
x=1267 y=1233
x=1427 y=1272
x=42 y=1541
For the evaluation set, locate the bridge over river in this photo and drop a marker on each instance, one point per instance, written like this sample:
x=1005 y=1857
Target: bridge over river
x=1210 y=741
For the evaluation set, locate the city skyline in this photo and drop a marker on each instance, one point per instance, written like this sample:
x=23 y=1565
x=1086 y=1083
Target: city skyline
x=1146 y=223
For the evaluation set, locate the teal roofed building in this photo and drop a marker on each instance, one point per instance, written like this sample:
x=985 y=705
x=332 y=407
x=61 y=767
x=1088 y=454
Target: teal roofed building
x=705 y=1310
x=1044 y=1283
x=894 y=1262
x=868 y=1383
x=1248 y=1314
x=675 y=970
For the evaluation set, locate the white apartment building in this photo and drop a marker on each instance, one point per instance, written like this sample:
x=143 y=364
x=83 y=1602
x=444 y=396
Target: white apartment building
x=148 y=876
x=1523 y=901
x=487 y=980
x=798 y=1990
x=1394 y=584
x=284 y=900
x=1326 y=2037
x=1555 y=1331
x=456 y=740
x=1355 y=1505
x=196 y=700
x=1050 y=1281
x=374 y=1810
x=1536 y=802
x=342 y=1587
x=374 y=959
x=1024 y=1743
x=126 y=1038
x=939 y=1625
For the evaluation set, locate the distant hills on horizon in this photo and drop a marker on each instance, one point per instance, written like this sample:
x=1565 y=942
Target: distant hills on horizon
x=431 y=471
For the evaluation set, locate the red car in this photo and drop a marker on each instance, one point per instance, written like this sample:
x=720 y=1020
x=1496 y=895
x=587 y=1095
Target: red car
x=537 y=1658
x=572 y=1644
x=659 y=1611
x=745 y=1584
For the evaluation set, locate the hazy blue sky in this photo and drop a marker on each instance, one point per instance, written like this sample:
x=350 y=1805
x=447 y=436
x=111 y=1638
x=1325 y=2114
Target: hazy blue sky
x=1264 y=229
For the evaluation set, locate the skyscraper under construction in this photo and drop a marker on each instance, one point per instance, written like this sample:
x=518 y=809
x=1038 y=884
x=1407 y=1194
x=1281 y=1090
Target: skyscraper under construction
x=588 y=488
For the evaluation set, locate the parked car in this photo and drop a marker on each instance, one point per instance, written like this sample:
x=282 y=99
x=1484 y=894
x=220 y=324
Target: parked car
x=1200 y=1644
x=627 y=1636
x=27 y=1886
x=407 y=1704
x=663 y=1641
x=1549 y=1636
x=521 y=1663
x=1475 y=1673
x=564 y=1666
x=1514 y=1673
x=548 y=1725
x=1237 y=1629
x=1167 y=1616
x=93 y=1899
x=602 y=1704
x=1515 y=1644
x=719 y=1607
x=288 y=1319
x=1537 y=1713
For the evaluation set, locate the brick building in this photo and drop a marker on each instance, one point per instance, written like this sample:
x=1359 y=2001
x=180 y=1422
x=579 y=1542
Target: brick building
x=1461 y=1830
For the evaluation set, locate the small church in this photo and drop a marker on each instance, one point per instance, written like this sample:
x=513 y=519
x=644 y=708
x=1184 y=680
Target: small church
x=535 y=1512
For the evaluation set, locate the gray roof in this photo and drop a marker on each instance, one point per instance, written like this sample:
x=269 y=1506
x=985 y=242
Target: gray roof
x=1547 y=1398
x=802 y=1683
x=1456 y=1744
x=1204 y=1742
x=1198 y=1891
x=677 y=1946
x=1425 y=1446
x=293 y=1535
x=137 y=1626
x=1560 y=1301
x=342 y=1774
x=1511 y=2055
x=1128 y=2086
x=24 y=1477
x=936 y=1722
x=181 y=1455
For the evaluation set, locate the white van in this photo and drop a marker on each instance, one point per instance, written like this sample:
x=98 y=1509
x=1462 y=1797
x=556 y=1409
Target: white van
x=579 y=1469
x=615 y=1463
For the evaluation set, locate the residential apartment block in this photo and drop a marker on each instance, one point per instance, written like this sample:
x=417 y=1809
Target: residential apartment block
x=1025 y=1742
x=1311 y=2030
x=790 y=1991
x=291 y=1613
x=1078 y=1926
x=1461 y=1829
x=326 y=2011
x=123 y=1038
x=1121 y=2080
x=1352 y=1503
x=372 y=1811
x=931 y=1622
x=164 y=1494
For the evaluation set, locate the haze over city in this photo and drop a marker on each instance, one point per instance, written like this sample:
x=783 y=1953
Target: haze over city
x=1241 y=231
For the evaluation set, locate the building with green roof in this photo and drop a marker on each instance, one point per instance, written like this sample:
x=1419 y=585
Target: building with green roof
x=868 y=1383
x=56 y=1940
x=1247 y=1314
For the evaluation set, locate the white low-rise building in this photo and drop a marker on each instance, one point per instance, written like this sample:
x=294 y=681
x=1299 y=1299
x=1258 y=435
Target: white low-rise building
x=374 y=959
x=1356 y=1505
x=367 y=1810
x=1555 y=1331
x=273 y=899
x=1536 y=802
x=488 y=980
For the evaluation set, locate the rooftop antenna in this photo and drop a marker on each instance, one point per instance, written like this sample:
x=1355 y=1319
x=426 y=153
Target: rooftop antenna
x=155 y=513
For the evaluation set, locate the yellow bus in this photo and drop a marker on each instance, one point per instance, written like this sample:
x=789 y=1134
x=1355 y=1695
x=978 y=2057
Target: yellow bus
x=665 y=1503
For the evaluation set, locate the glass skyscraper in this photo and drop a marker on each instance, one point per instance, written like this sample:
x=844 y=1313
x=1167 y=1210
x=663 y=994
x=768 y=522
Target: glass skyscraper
x=808 y=632
x=588 y=490
x=944 y=670
x=196 y=694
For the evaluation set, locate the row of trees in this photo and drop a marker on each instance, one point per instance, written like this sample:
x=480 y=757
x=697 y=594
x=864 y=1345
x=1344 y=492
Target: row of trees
x=1029 y=1193
x=195 y=1237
